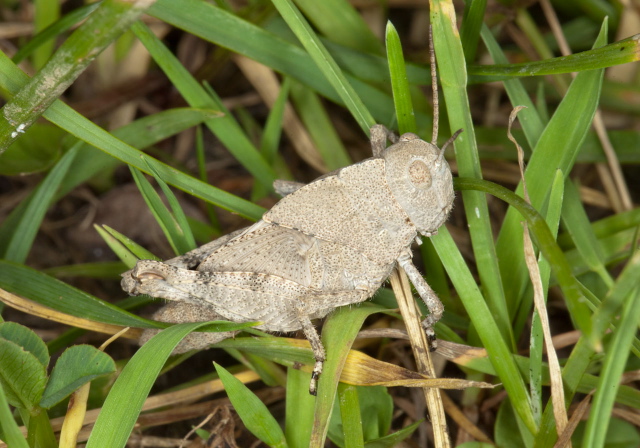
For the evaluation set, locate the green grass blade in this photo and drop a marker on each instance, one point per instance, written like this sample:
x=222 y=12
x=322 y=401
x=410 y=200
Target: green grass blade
x=104 y=25
x=46 y=12
x=53 y=30
x=617 y=295
x=41 y=288
x=325 y=62
x=11 y=78
x=399 y=82
x=576 y=221
x=453 y=78
x=621 y=52
x=225 y=128
x=484 y=321
x=90 y=162
x=27 y=227
x=252 y=411
x=614 y=363
x=341 y=23
x=338 y=334
x=471 y=24
x=529 y=119
x=556 y=149
x=317 y=121
x=351 y=418
x=124 y=402
x=299 y=409
x=11 y=433
x=131 y=246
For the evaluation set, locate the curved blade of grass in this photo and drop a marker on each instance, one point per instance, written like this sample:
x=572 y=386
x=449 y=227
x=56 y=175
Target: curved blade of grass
x=613 y=367
x=227 y=30
x=556 y=149
x=253 y=413
x=621 y=52
x=60 y=296
x=104 y=25
x=90 y=162
x=325 y=62
x=124 y=402
x=399 y=82
x=453 y=78
x=116 y=239
x=26 y=229
x=11 y=78
x=225 y=128
x=174 y=223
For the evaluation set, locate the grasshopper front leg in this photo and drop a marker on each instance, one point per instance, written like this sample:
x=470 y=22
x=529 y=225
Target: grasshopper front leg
x=428 y=296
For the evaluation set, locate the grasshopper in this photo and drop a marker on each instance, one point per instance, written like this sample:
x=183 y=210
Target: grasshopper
x=330 y=243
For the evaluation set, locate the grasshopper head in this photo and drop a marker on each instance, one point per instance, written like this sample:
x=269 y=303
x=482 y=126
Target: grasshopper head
x=420 y=179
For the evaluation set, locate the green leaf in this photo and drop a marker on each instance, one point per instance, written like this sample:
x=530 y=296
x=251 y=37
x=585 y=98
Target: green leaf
x=252 y=411
x=26 y=339
x=22 y=376
x=124 y=402
x=76 y=366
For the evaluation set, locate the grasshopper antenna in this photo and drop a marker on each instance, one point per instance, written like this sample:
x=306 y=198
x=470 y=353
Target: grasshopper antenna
x=448 y=142
x=434 y=87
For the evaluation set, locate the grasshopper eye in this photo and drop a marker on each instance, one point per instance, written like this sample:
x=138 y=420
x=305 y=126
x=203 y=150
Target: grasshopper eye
x=419 y=174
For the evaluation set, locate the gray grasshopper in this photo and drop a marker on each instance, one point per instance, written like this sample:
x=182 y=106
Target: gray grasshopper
x=330 y=243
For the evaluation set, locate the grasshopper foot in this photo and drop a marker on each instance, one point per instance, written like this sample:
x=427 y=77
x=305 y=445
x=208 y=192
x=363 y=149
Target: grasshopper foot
x=313 y=385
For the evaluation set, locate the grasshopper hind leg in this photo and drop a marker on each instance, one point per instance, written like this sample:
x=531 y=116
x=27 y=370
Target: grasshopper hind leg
x=313 y=337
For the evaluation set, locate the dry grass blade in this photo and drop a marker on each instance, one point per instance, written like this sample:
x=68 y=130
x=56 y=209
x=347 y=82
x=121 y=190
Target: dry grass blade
x=411 y=316
x=266 y=84
x=363 y=370
x=564 y=438
x=35 y=309
x=555 y=373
